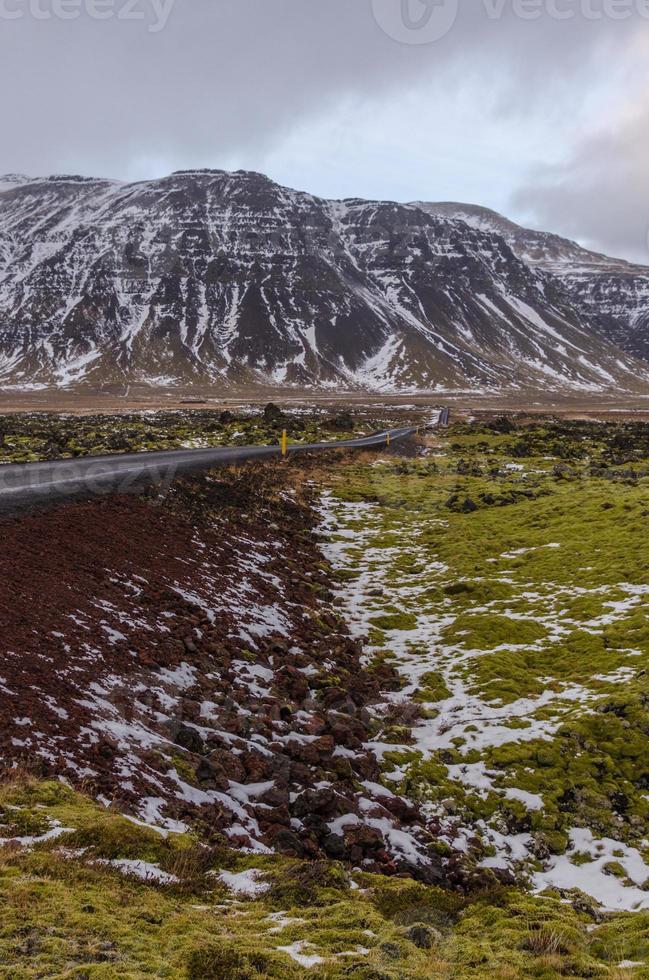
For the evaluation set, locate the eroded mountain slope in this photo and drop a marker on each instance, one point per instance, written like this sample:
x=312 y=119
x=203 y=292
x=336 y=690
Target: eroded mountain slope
x=613 y=293
x=233 y=279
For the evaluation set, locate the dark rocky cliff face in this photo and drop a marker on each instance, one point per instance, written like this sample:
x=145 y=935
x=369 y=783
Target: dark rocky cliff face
x=229 y=278
x=611 y=293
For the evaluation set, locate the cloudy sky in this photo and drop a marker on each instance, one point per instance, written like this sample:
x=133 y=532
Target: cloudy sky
x=538 y=108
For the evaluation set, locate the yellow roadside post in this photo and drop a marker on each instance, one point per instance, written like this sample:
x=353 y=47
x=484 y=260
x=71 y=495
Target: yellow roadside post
x=387 y=441
x=284 y=442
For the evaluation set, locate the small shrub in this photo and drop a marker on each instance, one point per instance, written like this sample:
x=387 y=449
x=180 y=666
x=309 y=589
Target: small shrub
x=227 y=963
x=304 y=884
x=547 y=941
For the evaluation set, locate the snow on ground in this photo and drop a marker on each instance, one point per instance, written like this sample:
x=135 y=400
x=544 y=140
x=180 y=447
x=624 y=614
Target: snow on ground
x=28 y=841
x=350 y=534
x=140 y=869
x=595 y=876
x=245 y=883
x=281 y=921
x=297 y=952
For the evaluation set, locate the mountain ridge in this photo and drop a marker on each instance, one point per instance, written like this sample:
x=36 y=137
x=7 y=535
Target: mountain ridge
x=231 y=279
x=613 y=291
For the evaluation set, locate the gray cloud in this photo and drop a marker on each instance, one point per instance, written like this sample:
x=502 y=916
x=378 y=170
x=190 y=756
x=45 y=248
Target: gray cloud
x=223 y=75
x=601 y=194
x=230 y=80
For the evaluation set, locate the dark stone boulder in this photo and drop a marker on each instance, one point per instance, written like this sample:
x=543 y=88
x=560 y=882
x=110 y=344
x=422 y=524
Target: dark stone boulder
x=289 y=843
x=188 y=738
x=334 y=847
x=211 y=776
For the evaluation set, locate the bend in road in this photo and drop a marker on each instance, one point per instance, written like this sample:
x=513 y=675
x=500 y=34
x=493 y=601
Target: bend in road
x=28 y=484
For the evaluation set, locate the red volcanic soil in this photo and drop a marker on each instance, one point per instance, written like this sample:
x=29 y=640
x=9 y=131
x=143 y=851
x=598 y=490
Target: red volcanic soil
x=182 y=660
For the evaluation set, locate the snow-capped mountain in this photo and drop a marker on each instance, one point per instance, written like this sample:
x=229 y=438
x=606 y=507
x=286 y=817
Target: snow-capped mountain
x=229 y=278
x=612 y=292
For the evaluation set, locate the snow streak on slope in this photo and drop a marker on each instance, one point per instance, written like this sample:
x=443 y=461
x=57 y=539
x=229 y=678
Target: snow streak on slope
x=612 y=293
x=208 y=276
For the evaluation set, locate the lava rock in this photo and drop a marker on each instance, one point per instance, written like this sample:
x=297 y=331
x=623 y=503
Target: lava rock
x=287 y=842
x=188 y=738
x=334 y=847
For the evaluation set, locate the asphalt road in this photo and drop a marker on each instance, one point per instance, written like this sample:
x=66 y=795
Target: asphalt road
x=29 y=484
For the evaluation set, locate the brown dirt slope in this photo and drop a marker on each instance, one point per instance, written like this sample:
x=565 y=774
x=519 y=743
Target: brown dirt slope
x=183 y=662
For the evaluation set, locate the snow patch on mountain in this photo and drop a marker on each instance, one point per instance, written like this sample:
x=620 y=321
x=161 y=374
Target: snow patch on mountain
x=230 y=279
